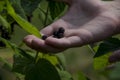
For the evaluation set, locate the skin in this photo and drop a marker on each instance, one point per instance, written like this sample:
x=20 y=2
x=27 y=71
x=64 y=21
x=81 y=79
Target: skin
x=86 y=21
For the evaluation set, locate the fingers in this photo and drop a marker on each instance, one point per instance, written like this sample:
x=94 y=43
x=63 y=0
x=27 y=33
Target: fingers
x=64 y=43
x=115 y=57
x=40 y=45
x=48 y=30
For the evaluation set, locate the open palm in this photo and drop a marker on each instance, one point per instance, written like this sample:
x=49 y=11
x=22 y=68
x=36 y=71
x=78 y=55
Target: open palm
x=86 y=21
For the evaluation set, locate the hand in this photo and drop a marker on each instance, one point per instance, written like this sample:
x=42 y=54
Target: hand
x=86 y=21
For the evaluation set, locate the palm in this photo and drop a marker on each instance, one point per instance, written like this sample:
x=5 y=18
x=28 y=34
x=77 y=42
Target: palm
x=86 y=21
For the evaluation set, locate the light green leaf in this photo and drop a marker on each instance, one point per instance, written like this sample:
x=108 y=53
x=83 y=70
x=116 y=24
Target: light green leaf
x=102 y=61
x=65 y=75
x=5 y=23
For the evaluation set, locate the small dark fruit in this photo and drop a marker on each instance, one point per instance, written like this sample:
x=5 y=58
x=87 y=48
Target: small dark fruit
x=61 y=30
x=59 y=33
x=44 y=37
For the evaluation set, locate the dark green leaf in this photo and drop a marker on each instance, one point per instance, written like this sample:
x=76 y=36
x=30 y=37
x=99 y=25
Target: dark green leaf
x=115 y=73
x=56 y=8
x=42 y=70
x=30 y=5
x=21 y=63
x=108 y=45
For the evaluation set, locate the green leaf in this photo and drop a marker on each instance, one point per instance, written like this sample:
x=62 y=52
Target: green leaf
x=52 y=58
x=18 y=8
x=65 y=75
x=42 y=70
x=30 y=5
x=16 y=49
x=102 y=61
x=4 y=22
x=22 y=22
x=56 y=8
x=20 y=63
x=5 y=65
x=81 y=76
x=2 y=3
x=108 y=45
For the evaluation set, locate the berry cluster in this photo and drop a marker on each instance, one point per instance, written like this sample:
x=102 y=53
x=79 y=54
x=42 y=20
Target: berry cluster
x=59 y=33
x=4 y=33
x=56 y=34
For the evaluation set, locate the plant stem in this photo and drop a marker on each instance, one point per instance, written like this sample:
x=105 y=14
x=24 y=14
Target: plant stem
x=91 y=49
x=36 y=56
x=46 y=16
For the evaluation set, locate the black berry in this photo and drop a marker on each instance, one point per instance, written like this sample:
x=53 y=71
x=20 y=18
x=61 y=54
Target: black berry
x=59 y=33
x=61 y=30
x=44 y=37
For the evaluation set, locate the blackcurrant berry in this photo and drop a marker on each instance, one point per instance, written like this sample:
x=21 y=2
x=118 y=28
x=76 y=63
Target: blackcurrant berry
x=59 y=33
x=61 y=30
x=44 y=37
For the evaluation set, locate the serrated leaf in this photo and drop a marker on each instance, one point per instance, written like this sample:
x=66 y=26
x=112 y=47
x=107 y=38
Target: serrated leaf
x=56 y=8
x=22 y=22
x=42 y=70
x=108 y=45
x=20 y=63
x=30 y=5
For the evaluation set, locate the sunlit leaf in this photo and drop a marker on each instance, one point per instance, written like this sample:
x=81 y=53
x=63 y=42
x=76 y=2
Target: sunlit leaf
x=102 y=61
x=65 y=75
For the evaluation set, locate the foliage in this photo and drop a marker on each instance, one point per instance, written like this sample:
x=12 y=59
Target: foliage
x=36 y=65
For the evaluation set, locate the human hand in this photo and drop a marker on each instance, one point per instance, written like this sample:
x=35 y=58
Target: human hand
x=86 y=21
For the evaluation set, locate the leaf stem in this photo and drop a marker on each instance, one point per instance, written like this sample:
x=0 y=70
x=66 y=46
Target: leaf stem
x=91 y=49
x=36 y=56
